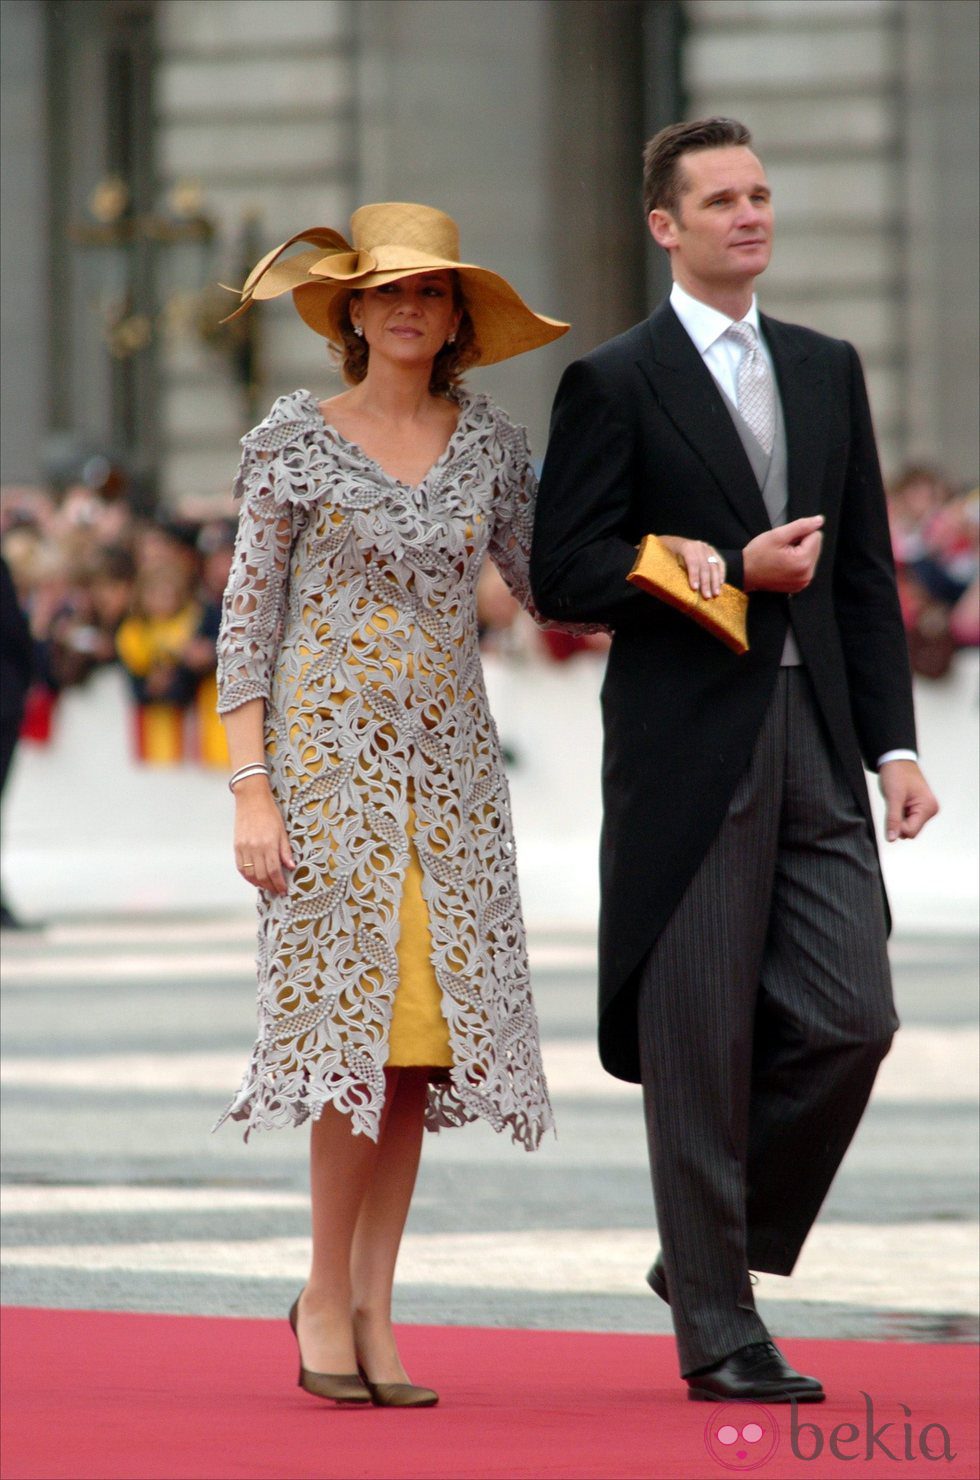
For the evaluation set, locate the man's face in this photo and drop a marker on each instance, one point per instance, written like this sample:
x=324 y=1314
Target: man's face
x=720 y=235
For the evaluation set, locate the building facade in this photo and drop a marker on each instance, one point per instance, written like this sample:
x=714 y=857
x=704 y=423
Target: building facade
x=231 y=124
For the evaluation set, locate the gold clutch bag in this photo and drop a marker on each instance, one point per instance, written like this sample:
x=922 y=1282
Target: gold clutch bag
x=662 y=574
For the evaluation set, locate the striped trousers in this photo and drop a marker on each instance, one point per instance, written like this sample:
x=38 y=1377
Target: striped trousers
x=764 y=1010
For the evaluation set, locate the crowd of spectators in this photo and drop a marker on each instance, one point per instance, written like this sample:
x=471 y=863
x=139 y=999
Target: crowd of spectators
x=103 y=586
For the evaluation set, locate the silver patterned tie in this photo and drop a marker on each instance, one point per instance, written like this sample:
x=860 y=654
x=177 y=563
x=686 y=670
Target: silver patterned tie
x=753 y=382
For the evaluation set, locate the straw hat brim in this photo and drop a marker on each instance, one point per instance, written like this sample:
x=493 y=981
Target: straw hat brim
x=503 y=323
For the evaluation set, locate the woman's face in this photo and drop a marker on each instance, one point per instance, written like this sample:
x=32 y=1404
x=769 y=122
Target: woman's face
x=407 y=321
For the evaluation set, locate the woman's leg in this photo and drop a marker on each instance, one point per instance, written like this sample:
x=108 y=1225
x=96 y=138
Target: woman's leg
x=341 y=1168
x=381 y=1221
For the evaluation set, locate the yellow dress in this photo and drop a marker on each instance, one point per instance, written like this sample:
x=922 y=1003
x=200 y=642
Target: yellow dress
x=419 y=1034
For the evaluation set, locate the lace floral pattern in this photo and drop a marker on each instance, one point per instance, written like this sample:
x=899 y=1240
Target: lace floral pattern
x=351 y=610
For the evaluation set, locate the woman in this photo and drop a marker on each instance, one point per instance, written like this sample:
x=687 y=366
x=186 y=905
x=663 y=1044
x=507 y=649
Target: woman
x=372 y=812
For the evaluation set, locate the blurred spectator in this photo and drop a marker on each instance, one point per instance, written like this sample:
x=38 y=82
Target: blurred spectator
x=81 y=634
x=16 y=668
x=964 y=619
x=39 y=572
x=564 y=645
x=156 y=645
x=915 y=495
x=27 y=508
x=88 y=523
x=112 y=588
x=947 y=566
x=935 y=544
x=157 y=543
x=215 y=546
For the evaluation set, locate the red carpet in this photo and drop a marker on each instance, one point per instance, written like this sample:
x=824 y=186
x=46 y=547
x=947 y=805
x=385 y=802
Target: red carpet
x=122 y=1397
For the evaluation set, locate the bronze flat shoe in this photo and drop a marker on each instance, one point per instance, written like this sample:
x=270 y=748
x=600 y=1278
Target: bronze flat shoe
x=399 y=1394
x=338 y=1387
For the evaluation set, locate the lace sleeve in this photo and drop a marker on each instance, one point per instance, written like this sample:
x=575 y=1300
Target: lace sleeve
x=255 y=597
x=517 y=486
x=510 y=543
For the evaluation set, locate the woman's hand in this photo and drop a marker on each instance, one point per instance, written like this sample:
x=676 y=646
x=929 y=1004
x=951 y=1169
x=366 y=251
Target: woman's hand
x=705 y=567
x=262 y=848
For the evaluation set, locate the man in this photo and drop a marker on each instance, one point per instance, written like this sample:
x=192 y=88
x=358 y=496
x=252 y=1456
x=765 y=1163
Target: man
x=743 y=971
x=16 y=670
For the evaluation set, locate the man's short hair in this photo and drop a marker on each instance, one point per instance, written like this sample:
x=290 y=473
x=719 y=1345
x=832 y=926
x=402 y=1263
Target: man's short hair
x=662 y=155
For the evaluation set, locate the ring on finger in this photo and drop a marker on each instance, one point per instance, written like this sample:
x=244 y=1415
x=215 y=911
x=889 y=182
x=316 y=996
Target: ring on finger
x=714 y=560
x=247 y=868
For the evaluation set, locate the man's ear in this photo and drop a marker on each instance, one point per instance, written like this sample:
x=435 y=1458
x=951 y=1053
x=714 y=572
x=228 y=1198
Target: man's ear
x=663 y=228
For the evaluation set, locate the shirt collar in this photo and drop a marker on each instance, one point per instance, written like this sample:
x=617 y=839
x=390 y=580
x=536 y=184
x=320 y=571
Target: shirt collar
x=703 y=323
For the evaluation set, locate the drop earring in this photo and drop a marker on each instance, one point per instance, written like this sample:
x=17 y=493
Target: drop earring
x=358 y=331
x=452 y=338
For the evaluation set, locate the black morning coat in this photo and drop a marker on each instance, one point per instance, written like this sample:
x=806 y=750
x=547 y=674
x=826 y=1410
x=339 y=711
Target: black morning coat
x=641 y=441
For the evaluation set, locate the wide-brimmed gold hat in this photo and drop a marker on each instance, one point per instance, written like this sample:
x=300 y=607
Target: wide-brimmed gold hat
x=393 y=240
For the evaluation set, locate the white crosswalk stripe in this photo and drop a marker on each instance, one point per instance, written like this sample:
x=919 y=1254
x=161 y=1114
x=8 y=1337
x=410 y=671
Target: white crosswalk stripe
x=55 y=969
x=908 y=1267
x=930 y=1065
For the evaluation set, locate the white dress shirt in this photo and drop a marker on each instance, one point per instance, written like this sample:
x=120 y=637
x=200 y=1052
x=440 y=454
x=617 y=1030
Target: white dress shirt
x=707 y=328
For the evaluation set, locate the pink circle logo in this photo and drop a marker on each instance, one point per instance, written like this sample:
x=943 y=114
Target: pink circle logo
x=741 y=1436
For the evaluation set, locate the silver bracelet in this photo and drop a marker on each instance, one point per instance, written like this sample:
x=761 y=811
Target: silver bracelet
x=257 y=768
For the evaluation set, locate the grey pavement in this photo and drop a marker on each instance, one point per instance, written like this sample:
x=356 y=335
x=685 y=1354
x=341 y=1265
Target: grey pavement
x=123 y=1039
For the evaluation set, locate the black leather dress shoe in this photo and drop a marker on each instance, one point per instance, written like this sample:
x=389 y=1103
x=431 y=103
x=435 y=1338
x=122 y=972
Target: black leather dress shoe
x=758 y=1373
x=657 y=1279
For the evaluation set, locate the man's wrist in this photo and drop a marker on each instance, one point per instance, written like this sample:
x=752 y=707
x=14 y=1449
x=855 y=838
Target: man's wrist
x=734 y=567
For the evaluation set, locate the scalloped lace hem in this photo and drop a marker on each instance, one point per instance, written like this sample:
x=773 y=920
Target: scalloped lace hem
x=448 y=1105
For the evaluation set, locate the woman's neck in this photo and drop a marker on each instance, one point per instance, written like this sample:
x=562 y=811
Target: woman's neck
x=394 y=392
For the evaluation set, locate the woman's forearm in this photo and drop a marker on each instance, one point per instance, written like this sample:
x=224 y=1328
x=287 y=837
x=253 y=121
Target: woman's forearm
x=245 y=731
x=262 y=850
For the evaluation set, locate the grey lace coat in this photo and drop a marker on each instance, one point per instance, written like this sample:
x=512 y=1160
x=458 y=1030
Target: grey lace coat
x=351 y=610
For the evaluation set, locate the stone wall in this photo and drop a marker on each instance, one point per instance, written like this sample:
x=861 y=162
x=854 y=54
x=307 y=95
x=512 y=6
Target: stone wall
x=256 y=102
x=942 y=186
x=864 y=112
x=23 y=283
x=818 y=82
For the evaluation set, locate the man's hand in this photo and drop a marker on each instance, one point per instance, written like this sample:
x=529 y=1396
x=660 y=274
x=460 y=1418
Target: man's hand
x=909 y=802
x=783 y=559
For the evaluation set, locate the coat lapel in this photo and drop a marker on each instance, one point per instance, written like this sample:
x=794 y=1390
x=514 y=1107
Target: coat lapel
x=685 y=389
x=802 y=379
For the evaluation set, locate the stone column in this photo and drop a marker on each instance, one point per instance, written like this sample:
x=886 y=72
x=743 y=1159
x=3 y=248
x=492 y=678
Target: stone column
x=256 y=104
